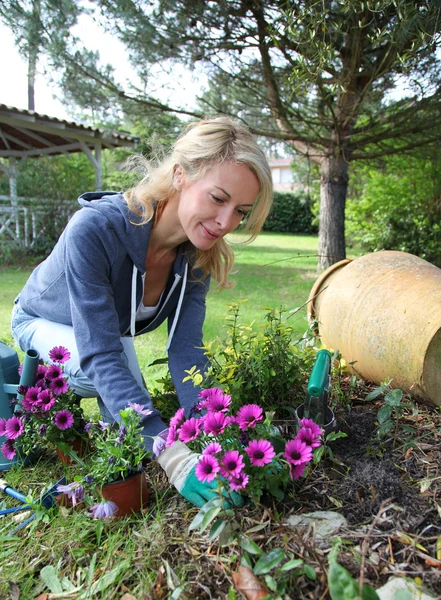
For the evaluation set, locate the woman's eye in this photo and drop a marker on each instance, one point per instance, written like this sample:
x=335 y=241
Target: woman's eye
x=217 y=199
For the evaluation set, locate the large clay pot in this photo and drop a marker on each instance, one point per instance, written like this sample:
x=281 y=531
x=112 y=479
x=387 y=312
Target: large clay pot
x=382 y=311
x=130 y=495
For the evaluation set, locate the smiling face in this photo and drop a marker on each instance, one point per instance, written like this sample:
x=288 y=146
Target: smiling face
x=214 y=205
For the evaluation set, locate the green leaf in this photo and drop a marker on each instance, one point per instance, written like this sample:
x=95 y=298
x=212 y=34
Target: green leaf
x=197 y=521
x=335 y=435
x=309 y=572
x=394 y=397
x=385 y=428
x=375 y=393
x=106 y=580
x=49 y=575
x=245 y=561
x=268 y=561
x=250 y=546
x=384 y=413
x=271 y=583
x=217 y=528
x=342 y=586
x=209 y=517
x=318 y=454
x=291 y=564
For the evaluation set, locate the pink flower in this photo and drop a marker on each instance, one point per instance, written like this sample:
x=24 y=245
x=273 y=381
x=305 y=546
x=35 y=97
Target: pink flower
x=248 y=416
x=306 y=435
x=172 y=436
x=30 y=399
x=261 y=452
x=178 y=417
x=59 y=385
x=8 y=449
x=215 y=423
x=218 y=401
x=296 y=471
x=14 y=428
x=53 y=372
x=41 y=373
x=59 y=354
x=240 y=482
x=207 y=468
x=103 y=510
x=297 y=452
x=63 y=419
x=231 y=464
x=46 y=400
x=212 y=449
x=189 y=430
x=316 y=430
x=2 y=427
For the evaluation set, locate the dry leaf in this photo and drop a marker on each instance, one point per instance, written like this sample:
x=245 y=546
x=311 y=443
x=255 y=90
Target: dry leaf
x=246 y=582
x=43 y=596
x=128 y=597
x=161 y=588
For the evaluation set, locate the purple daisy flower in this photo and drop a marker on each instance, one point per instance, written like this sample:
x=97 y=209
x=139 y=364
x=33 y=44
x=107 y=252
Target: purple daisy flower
x=231 y=464
x=31 y=398
x=248 y=416
x=140 y=409
x=177 y=418
x=59 y=385
x=63 y=419
x=212 y=449
x=218 y=401
x=14 y=428
x=2 y=427
x=74 y=491
x=306 y=435
x=54 y=372
x=207 y=468
x=172 y=436
x=41 y=373
x=316 y=430
x=297 y=452
x=240 y=482
x=261 y=452
x=59 y=354
x=8 y=449
x=296 y=471
x=189 y=430
x=206 y=394
x=103 y=510
x=46 y=400
x=215 y=423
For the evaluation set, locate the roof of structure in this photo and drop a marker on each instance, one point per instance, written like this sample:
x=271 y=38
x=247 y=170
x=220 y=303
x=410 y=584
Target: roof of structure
x=25 y=133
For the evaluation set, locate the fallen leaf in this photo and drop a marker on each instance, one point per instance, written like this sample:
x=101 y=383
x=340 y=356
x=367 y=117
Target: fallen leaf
x=246 y=582
x=431 y=562
x=128 y=597
x=161 y=588
x=43 y=596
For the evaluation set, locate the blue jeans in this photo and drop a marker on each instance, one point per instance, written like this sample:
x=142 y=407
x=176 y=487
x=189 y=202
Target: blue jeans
x=42 y=335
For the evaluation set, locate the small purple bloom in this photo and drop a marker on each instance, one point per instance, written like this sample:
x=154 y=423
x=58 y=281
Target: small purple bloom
x=42 y=429
x=59 y=385
x=8 y=449
x=239 y=482
x=63 y=419
x=140 y=409
x=54 y=372
x=172 y=436
x=41 y=373
x=103 y=425
x=2 y=427
x=316 y=430
x=46 y=400
x=248 y=416
x=189 y=430
x=31 y=398
x=122 y=434
x=177 y=418
x=218 y=401
x=207 y=468
x=306 y=435
x=87 y=426
x=212 y=449
x=103 y=510
x=112 y=460
x=297 y=452
x=21 y=390
x=296 y=471
x=88 y=478
x=215 y=423
x=231 y=464
x=74 y=491
x=59 y=354
x=261 y=452
x=14 y=428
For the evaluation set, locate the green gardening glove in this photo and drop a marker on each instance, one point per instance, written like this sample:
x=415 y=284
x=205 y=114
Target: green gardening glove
x=179 y=462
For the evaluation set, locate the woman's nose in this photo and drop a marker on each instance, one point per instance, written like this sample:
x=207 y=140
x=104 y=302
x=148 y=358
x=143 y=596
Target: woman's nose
x=224 y=218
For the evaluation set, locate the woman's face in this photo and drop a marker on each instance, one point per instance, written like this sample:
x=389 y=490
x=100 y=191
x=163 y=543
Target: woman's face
x=214 y=205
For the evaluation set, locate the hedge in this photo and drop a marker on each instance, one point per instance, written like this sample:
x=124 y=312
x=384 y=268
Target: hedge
x=290 y=213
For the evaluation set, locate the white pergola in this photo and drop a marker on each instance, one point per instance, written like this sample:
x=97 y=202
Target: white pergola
x=27 y=134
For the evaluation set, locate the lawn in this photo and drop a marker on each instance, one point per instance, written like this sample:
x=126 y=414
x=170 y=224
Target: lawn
x=387 y=489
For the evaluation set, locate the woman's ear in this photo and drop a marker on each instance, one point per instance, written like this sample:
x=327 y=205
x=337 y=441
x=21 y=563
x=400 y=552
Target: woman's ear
x=178 y=177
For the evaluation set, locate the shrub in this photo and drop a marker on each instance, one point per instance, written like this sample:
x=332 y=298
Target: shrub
x=290 y=213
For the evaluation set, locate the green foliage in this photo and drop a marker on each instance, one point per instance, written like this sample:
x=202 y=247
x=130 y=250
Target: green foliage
x=263 y=367
x=342 y=586
x=398 y=207
x=392 y=409
x=290 y=213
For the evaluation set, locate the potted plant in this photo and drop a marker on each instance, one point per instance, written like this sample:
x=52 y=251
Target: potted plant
x=243 y=451
x=114 y=470
x=47 y=414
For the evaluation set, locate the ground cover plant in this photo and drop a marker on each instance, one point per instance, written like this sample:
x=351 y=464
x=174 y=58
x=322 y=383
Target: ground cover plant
x=386 y=486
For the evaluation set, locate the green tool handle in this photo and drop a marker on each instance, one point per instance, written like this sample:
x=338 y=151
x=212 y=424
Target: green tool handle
x=29 y=371
x=320 y=373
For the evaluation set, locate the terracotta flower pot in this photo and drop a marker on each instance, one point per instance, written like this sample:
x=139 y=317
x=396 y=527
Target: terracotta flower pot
x=130 y=495
x=77 y=445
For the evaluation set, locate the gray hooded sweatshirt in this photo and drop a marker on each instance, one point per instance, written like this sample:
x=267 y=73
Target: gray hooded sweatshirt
x=92 y=280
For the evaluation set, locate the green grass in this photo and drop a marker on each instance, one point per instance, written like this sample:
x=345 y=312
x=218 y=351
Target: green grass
x=153 y=552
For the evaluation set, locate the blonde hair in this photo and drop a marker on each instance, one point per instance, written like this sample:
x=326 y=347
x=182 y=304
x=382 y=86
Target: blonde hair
x=203 y=145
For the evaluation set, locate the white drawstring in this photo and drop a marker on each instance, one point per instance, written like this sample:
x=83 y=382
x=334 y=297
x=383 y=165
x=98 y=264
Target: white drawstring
x=133 y=302
x=178 y=308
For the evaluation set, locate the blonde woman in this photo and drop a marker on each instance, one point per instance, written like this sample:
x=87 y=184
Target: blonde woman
x=126 y=262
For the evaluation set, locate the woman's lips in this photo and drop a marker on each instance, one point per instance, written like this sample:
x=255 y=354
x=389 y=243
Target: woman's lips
x=209 y=233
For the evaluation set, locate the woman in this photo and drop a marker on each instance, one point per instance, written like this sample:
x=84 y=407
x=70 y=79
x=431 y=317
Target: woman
x=126 y=262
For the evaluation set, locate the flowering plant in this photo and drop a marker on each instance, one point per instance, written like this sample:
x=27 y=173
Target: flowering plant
x=47 y=412
x=245 y=452
x=118 y=451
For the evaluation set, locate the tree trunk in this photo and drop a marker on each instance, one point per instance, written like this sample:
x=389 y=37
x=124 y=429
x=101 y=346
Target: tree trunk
x=333 y=190
x=32 y=70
